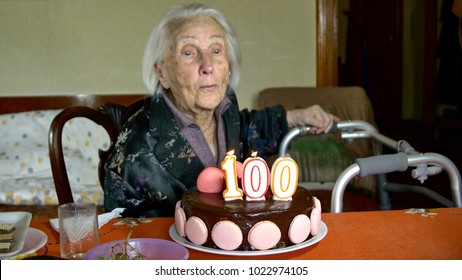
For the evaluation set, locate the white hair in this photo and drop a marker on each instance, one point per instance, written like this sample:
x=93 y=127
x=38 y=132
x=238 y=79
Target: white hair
x=162 y=37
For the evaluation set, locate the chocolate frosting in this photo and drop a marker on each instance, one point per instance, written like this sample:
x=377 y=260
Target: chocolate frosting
x=212 y=208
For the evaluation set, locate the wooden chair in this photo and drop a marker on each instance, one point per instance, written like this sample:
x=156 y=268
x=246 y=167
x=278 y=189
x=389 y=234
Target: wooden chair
x=110 y=115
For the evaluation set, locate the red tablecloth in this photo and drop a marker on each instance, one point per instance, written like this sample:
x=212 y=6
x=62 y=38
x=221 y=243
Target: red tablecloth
x=383 y=235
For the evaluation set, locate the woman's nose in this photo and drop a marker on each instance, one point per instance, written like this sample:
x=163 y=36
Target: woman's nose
x=206 y=66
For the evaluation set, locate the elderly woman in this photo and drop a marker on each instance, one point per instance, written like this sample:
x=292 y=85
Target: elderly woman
x=191 y=66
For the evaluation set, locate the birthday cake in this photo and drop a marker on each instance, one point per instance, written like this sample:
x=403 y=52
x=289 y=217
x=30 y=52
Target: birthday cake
x=253 y=219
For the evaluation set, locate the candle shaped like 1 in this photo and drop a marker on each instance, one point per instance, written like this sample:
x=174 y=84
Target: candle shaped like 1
x=256 y=178
x=228 y=165
x=284 y=178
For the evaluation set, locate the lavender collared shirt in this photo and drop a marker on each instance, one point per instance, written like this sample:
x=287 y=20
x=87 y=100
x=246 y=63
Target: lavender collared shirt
x=196 y=138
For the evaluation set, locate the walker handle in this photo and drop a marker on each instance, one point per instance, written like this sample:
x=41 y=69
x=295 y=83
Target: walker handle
x=382 y=164
x=334 y=128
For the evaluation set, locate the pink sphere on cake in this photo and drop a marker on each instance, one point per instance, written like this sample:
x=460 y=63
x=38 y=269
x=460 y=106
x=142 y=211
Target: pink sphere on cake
x=211 y=180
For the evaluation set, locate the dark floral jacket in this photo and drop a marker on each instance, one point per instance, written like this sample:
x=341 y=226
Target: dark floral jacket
x=153 y=164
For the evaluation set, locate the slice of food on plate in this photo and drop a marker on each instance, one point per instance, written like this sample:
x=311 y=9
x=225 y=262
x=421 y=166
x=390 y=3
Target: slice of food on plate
x=7 y=228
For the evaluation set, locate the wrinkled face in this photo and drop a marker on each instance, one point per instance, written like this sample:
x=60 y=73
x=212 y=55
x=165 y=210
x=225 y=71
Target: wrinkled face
x=196 y=70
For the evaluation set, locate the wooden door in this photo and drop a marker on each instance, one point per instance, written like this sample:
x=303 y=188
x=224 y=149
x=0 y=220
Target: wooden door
x=374 y=57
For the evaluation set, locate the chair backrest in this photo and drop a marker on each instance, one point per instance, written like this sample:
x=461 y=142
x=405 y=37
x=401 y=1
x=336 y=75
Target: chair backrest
x=110 y=116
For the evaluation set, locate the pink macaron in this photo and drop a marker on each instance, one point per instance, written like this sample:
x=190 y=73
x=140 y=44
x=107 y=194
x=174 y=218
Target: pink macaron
x=211 y=180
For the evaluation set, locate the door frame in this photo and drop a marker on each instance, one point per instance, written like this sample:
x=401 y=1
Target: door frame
x=327 y=52
x=326 y=43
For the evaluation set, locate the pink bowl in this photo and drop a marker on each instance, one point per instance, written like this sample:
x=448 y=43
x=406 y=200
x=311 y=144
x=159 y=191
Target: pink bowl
x=150 y=248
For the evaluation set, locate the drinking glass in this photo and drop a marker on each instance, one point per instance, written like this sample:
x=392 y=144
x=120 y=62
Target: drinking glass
x=78 y=229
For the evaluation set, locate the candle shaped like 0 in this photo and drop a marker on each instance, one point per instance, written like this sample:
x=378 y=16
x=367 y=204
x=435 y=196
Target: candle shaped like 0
x=256 y=178
x=228 y=165
x=284 y=178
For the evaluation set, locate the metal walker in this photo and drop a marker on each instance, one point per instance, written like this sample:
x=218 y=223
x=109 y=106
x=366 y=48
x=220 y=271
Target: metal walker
x=426 y=164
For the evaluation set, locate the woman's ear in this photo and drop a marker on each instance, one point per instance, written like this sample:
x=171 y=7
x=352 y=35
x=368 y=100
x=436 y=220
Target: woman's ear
x=161 y=76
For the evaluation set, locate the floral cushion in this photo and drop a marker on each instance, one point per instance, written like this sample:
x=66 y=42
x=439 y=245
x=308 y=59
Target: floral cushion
x=26 y=177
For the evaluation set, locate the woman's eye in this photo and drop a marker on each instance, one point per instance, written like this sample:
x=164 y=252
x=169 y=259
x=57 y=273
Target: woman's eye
x=188 y=52
x=216 y=51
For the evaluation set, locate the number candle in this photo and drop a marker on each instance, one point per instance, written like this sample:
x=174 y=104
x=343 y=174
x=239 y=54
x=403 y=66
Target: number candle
x=284 y=178
x=256 y=177
x=228 y=165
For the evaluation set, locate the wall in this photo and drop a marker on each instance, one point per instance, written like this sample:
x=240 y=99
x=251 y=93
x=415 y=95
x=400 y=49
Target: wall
x=55 y=47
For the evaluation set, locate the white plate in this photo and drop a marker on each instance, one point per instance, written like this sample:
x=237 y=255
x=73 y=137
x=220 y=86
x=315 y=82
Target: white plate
x=35 y=240
x=21 y=221
x=183 y=241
